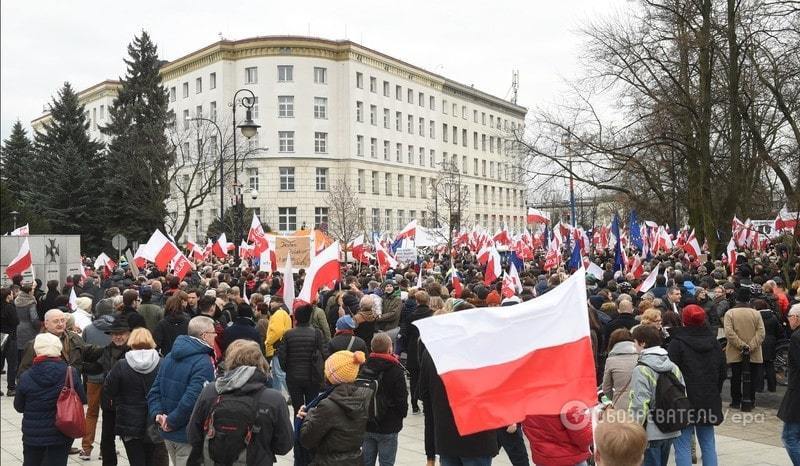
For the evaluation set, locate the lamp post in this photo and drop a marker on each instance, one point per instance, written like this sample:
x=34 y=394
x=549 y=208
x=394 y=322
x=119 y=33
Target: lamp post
x=221 y=167
x=249 y=129
x=14 y=214
x=196 y=230
x=566 y=142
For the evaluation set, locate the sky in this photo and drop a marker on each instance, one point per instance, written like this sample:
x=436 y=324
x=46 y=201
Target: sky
x=44 y=43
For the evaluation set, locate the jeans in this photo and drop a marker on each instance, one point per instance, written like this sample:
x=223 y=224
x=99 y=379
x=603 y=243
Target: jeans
x=382 y=447
x=447 y=460
x=51 y=455
x=278 y=376
x=705 y=438
x=93 y=392
x=301 y=395
x=141 y=453
x=657 y=452
x=791 y=441
x=108 y=449
x=514 y=445
x=10 y=356
x=178 y=452
x=736 y=381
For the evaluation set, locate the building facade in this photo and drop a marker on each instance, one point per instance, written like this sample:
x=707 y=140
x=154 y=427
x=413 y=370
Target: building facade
x=335 y=109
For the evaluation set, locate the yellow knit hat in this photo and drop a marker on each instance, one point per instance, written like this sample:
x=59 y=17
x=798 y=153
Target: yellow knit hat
x=342 y=366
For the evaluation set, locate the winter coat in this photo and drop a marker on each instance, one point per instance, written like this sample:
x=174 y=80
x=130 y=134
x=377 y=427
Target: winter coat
x=168 y=330
x=279 y=324
x=553 y=444
x=71 y=352
x=447 y=439
x=152 y=314
x=392 y=392
x=773 y=331
x=643 y=389
x=132 y=316
x=392 y=309
x=125 y=391
x=334 y=429
x=342 y=340
x=29 y=323
x=320 y=322
x=743 y=326
x=296 y=354
x=178 y=383
x=98 y=360
x=411 y=336
x=9 y=320
x=617 y=375
x=273 y=435
x=243 y=328
x=790 y=406
x=701 y=361
x=623 y=320
x=37 y=394
x=47 y=303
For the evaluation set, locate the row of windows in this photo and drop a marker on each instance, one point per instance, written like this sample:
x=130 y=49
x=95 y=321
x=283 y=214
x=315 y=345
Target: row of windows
x=391 y=181
x=286 y=178
x=386 y=224
x=512 y=197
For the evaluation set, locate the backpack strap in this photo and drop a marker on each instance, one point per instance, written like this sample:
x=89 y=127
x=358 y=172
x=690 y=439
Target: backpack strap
x=350 y=343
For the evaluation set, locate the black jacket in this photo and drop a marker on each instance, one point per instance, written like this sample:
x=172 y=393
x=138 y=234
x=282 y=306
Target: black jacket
x=243 y=328
x=392 y=393
x=447 y=439
x=340 y=342
x=9 y=320
x=773 y=331
x=296 y=354
x=134 y=319
x=411 y=335
x=790 y=406
x=168 y=330
x=698 y=355
x=125 y=391
x=620 y=321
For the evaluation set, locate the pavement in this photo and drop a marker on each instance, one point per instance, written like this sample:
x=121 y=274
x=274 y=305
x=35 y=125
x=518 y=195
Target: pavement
x=744 y=439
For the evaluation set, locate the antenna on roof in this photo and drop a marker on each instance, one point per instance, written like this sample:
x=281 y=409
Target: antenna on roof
x=514 y=86
x=221 y=37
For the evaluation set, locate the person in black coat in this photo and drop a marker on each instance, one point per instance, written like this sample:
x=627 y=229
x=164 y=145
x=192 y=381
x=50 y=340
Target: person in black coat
x=698 y=355
x=130 y=301
x=302 y=356
x=345 y=338
x=243 y=327
x=174 y=323
x=410 y=335
x=773 y=331
x=8 y=324
x=789 y=412
x=623 y=319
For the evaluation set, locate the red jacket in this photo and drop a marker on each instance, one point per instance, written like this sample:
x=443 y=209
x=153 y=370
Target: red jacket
x=553 y=444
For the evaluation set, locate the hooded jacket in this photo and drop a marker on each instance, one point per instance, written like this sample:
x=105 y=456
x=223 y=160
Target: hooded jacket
x=125 y=391
x=274 y=434
x=701 y=361
x=168 y=329
x=617 y=374
x=643 y=389
x=37 y=393
x=178 y=383
x=335 y=428
x=392 y=309
x=29 y=323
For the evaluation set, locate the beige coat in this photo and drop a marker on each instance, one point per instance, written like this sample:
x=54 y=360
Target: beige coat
x=617 y=374
x=743 y=326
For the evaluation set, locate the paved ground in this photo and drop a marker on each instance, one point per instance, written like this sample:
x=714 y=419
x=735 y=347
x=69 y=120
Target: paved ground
x=752 y=440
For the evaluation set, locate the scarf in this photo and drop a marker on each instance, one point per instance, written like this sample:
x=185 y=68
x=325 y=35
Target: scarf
x=387 y=357
x=42 y=358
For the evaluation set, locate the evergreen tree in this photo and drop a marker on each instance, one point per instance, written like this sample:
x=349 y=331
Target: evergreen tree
x=139 y=153
x=66 y=172
x=15 y=158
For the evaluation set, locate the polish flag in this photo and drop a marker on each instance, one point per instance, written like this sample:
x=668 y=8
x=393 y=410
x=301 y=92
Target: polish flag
x=245 y=250
x=507 y=290
x=637 y=266
x=104 y=261
x=512 y=272
x=220 y=247
x=73 y=300
x=180 y=265
x=385 y=260
x=537 y=216
x=692 y=246
x=456 y=282
x=288 y=281
x=161 y=250
x=592 y=268
x=24 y=230
x=731 y=252
x=22 y=262
x=649 y=282
x=502 y=236
x=358 y=249
x=548 y=336
x=493 y=267
x=323 y=271
x=257 y=236
x=139 y=258
x=410 y=231
x=483 y=255
x=195 y=250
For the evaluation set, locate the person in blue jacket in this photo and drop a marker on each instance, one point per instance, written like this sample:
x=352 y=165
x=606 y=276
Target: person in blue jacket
x=178 y=383
x=36 y=397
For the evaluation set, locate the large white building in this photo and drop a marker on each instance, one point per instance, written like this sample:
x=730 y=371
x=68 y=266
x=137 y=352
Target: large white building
x=330 y=109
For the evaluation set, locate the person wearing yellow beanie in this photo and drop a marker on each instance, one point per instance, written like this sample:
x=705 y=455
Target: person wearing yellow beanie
x=343 y=366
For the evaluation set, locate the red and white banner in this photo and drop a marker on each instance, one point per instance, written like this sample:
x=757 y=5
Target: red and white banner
x=221 y=246
x=493 y=267
x=24 y=230
x=323 y=271
x=410 y=231
x=160 y=250
x=21 y=262
x=650 y=281
x=547 y=336
x=537 y=216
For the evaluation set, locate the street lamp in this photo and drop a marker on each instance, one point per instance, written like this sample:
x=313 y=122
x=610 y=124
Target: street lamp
x=196 y=230
x=566 y=143
x=14 y=214
x=249 y=129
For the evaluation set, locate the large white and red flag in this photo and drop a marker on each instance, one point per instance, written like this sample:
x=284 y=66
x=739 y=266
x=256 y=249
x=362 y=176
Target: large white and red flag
x=106 y=262
x=410 y=231
x=493 y=267
x=547 y=336
x=195 y=250
x=691 y=245
x=537 y=216
x=24 y=230
x=220 y=247
x=359 y=249
x=22 y=262
x=385 y=260
x=650 y=281
x=180 y=265
x=160 y=250
x=257 y=236
x=323 y=271
x=731 y=253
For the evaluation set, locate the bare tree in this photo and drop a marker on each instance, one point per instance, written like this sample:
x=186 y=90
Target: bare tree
x=449 y=204
x=344 y=206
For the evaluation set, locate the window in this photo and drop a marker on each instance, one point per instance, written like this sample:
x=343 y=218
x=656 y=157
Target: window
x=411 y=96
x=455 y=135
x=287 y=219
x=373 y=84
x=424 y=217
x=421 y=157
x=432 y=129
x=359 y=80
x=485 y=197
x=185 y=90
x=285 y=106
x=387 y=183
x=475 y=140
x=360 y=111
x=251 y=75
x=386 y=88
x=320 y=216
x=401 y=185
x=491 y=144
x=410 y=157
x=475 y=167
x=474 y=116
x=388 y=213
x=212 y=81
x=464 y=137
x=455 y=109
x=320 y=143
x=361 y=184
x=375 y=183
x=491 y=120
x=398 y=117
x=483 y=142
x=483 y=168
x=464 y=112
x=198 y=111
x=286 y=178
x=172 y=94
x=483 y=118
x=322 y=179
x=412 y=186
x=373 y=148
x=386 y=118
x=285 y=141
x=285 y=73
x=433 y=158
x=102 y=111
x=423 y=188
x=360 y=146
x=320 y=75
x=399 y=152
x=376 y=219
x=254 y=110
x=212 y=110
x=421 y=99
x=464 y=164
x=401 y=218
x=432 y=102
x=214 y=149
x=252 y=178
x=386 y=150
x=444 y=132
x=411 y=124
x=444 y=106
x=373 y=115
x=186 y=119
x=422 y=127
x=398 y=92
x=321 y=108
x=198 y=85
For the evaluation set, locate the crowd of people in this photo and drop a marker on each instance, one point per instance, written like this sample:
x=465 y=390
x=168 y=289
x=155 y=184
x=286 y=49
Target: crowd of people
x=217 y=369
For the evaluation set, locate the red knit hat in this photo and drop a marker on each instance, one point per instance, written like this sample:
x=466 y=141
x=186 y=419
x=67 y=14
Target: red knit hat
x=693 y=316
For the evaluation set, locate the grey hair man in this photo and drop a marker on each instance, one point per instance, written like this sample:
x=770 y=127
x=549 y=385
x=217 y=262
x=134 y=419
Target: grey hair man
x=55 y=322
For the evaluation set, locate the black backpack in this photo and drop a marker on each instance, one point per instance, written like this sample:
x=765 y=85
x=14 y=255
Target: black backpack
x=377 y=404
x=230 y=425
x=671 y=408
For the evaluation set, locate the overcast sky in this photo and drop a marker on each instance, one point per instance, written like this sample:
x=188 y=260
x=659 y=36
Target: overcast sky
x=45 y=42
